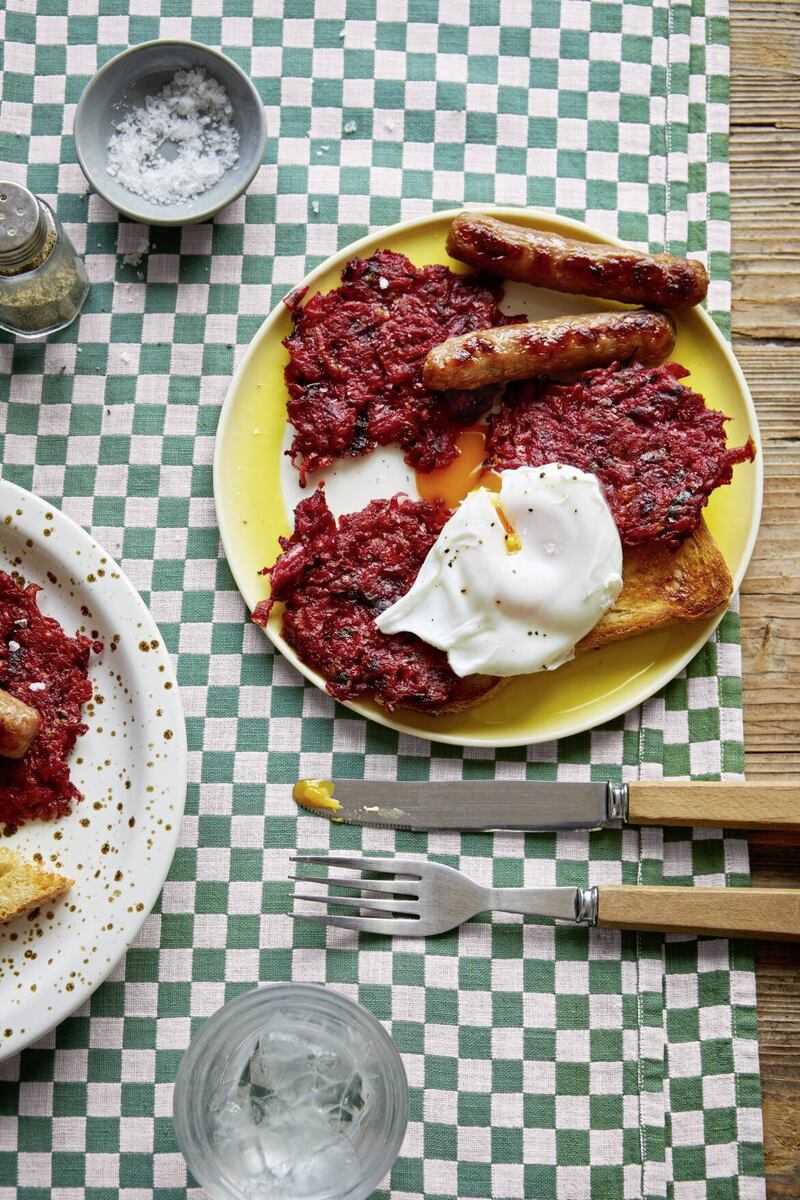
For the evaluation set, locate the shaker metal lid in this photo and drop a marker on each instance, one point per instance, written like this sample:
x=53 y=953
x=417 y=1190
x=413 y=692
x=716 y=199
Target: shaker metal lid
x=23 y=225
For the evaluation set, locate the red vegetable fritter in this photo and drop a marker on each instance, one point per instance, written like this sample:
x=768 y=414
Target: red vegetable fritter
x=356 y=356
x=653 y=444
x=336 y=578
x=46 y=669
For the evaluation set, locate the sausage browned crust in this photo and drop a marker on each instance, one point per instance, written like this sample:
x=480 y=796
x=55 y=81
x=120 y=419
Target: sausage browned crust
x=581 y=268
x=544 y=347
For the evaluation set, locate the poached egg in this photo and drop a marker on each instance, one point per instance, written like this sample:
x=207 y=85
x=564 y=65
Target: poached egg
x=516 y=578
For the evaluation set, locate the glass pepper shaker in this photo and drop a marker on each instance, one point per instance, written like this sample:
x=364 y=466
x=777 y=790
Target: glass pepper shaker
x=43 y=282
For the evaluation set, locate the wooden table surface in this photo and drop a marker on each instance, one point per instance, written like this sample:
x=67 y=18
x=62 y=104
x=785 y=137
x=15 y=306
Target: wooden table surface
x=765 y=194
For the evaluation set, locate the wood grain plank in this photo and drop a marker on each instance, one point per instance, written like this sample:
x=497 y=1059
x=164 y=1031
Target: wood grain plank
x=765 y=201
x=765 y=153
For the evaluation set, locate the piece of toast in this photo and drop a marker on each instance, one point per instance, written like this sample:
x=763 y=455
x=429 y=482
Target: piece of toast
x=660 y=587
x=24 y=885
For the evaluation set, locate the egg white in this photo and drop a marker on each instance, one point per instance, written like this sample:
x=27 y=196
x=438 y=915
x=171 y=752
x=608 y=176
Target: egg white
x=516 y=579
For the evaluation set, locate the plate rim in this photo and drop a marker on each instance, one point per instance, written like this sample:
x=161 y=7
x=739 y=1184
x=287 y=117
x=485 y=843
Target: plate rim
x=374 y=712
x=63 y=1005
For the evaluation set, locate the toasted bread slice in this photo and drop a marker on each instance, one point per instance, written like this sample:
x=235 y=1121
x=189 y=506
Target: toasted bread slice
x=24 y=885
x=663 y=587
x=660 y=587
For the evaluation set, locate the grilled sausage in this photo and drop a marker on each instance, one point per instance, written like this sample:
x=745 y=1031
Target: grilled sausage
x=581 y=268
x=543 y=347
x=19 y=724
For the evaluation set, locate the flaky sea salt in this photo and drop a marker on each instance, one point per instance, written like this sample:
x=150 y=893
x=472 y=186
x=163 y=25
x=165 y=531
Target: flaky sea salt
x=192 y=112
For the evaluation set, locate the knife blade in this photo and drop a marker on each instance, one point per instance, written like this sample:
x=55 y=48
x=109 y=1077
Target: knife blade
x=465 y=805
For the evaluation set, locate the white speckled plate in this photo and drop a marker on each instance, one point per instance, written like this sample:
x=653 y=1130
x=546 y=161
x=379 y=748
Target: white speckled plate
x=118 y=842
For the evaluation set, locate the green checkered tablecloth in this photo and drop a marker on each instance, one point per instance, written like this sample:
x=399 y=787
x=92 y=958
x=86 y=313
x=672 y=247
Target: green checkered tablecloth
x=544 y=1063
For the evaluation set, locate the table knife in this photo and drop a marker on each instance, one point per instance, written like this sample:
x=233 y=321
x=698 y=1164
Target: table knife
x=533 y=806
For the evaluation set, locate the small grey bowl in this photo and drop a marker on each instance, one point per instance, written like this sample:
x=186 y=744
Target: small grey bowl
x=123 y=83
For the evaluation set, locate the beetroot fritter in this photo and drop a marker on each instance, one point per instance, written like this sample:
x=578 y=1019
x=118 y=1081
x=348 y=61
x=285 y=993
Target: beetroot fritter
x=651 y=441
x=336 y=579
x=46 y=669
x=356 y=355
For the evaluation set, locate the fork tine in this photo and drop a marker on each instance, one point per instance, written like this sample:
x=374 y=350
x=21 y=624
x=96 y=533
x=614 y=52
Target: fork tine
x=386 y=866
x=393 y=928
x=401 y=887
x=396 y=906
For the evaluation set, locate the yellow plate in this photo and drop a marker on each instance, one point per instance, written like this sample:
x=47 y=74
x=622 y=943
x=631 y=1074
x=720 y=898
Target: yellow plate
x=254 y=491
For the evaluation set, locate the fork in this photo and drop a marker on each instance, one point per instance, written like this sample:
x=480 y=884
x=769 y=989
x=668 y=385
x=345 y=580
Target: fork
x=416 y=898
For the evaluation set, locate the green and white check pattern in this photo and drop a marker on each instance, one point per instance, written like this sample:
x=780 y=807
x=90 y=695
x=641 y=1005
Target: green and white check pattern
x=543 y=1063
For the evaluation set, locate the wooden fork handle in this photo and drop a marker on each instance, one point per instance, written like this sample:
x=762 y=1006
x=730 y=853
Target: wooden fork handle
x=719 y=805
x=772 y=913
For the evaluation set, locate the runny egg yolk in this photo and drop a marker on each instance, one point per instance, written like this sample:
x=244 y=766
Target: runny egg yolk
x=513 y=544
x=452 y=483
x=315 y=793
x=463 y=475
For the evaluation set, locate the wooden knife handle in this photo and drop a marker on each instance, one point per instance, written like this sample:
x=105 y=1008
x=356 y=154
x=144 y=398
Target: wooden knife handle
x=720 y=805
x=717 y=911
